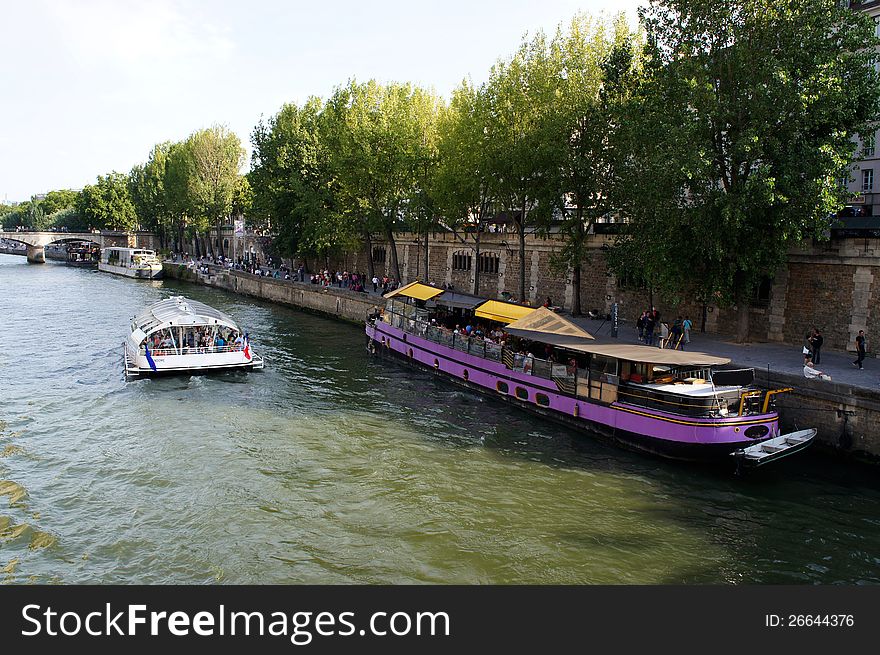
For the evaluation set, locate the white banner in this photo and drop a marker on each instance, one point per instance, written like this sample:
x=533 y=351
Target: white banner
x=239 y=227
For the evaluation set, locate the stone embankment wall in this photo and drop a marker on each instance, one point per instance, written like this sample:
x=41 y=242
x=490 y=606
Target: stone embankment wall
x=848 y=418
x=337 y=303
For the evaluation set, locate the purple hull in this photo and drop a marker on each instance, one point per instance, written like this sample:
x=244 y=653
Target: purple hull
x=640 y=427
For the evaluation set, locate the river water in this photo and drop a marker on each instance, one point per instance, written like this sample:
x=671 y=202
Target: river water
x=334 y=467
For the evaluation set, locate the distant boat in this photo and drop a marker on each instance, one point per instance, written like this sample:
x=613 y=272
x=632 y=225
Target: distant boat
x=131 y=262
x=83 y=255
x=178 y=335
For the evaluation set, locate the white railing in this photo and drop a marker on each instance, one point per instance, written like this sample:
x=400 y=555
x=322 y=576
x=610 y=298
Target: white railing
x=186 y=350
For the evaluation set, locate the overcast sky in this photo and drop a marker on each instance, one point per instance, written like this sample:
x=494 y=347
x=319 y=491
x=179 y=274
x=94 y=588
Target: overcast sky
x=89 y=86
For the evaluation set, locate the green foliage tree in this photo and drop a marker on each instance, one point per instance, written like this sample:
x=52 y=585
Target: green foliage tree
x=745 y=117
x=108 y=204
x=292 y=184
x=466 y=186
x=378 y=138
x=595 y=66
x=148 y=194
x=526 y=150
x=215 y=159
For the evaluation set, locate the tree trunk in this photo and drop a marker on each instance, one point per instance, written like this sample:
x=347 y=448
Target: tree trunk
x=705 y=318
x=392 y=246
x=371 y=270
x=220 y=239
x=576 y=290
x=427 y=234
x=521 y=228
x=742 y=312
x=477 y=264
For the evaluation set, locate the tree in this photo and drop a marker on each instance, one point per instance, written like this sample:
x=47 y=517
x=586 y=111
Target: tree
x=108 y=204
x=215 y=159
x=526 y=155
x=147 y=187
x=744 y=120
x=292 y=181
x=376 y=143
x=595 y=67
x=466 y=183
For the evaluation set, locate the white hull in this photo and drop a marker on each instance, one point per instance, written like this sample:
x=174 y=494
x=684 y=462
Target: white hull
x=144 y=273
x=137 y=364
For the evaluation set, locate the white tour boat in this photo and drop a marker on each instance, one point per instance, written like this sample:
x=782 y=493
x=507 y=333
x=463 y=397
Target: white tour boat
x=131 y=262
x=178 y=335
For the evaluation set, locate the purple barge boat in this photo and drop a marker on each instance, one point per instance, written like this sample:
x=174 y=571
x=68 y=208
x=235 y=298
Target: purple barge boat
x=662 y=401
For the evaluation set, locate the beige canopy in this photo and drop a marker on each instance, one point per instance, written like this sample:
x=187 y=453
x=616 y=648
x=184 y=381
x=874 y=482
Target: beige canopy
x=650 y=354
x=549 y=327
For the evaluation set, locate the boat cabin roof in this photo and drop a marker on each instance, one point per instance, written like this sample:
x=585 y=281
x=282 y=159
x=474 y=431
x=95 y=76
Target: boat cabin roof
x=178 y=310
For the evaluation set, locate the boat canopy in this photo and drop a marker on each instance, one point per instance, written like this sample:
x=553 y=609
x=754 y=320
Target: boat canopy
x=650 y=354
x=415 y=290
x=547 y=326
x=503 y=312
x=456 y=300
x=178 y=310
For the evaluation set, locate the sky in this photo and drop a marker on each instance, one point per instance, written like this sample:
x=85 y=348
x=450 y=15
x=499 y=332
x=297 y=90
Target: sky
x=89 y=86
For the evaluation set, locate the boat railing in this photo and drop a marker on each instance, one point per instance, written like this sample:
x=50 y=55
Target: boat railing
x=197 y=350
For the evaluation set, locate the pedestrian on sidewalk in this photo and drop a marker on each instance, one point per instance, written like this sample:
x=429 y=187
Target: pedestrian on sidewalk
x=687 y=325
x=808 y=347
x=861 y=348
x=816 y=342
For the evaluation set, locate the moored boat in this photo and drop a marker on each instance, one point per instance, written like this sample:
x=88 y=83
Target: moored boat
x=83 y=255
x=669 y=402
x=131 y=262
x=177 y=335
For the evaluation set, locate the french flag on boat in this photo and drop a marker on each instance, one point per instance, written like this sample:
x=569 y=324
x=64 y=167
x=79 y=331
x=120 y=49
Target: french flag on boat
x=247 y=348
x=149 y=358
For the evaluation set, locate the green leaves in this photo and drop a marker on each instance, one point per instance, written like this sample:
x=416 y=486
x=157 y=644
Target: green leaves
x=107 y=204
x=736 y=135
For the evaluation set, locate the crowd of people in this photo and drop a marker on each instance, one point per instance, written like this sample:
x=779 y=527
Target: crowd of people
x=197 y=340
x=650 y=327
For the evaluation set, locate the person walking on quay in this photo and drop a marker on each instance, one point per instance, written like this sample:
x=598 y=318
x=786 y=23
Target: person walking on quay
x=640 y=324
x=816 y=342
x=686 y=326
x=861 y=348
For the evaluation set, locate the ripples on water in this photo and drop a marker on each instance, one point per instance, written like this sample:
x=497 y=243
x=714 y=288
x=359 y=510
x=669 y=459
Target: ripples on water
x=332 y=467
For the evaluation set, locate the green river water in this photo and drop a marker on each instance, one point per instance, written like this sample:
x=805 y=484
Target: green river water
x=331 y=466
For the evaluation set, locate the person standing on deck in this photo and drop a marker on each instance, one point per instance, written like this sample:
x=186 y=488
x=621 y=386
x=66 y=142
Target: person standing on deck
x=861 y=349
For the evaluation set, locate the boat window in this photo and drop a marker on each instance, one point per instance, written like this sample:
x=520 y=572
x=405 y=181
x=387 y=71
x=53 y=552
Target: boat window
x=603 y=366
x=522 y=393
x=542 y=399
x=633 y=372
x=502 y=386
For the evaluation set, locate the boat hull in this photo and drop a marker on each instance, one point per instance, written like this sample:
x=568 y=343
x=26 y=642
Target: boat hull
x=136 y=365
x=634 y=427
x=142 y=273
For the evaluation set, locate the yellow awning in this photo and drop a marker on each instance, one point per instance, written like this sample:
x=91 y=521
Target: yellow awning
x=415 y=290
x=503 y=312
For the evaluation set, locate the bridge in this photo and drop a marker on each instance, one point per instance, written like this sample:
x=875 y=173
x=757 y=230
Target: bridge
x=37 y=241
